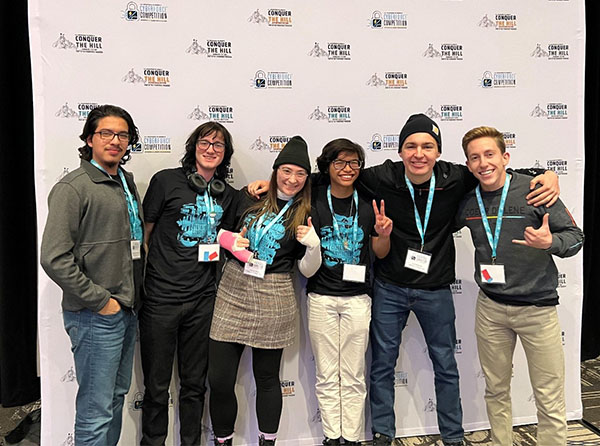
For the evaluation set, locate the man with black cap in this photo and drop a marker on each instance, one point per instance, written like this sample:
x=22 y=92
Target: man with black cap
x=417 y=273
x=422 y=194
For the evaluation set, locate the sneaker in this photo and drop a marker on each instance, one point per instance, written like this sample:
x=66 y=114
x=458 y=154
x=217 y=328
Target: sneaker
x=381 y=440
x=352 y=443
x=331 y=441
x=263 y=442
x=454 y=443
x=227 y=442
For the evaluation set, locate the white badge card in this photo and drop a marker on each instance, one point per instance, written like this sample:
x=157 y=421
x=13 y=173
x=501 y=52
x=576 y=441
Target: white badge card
x=256 y=268
x=492 y=273
x=354 y=273
x=417 y=261
x=136 y=250
x=208 y=252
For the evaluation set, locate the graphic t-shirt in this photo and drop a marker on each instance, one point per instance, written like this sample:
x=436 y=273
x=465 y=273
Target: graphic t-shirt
x=338 y=249
x=276 y=246
x=183 y=219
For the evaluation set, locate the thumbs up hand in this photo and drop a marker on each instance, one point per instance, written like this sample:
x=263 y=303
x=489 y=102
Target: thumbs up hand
x=540 y=238
x=307 y=235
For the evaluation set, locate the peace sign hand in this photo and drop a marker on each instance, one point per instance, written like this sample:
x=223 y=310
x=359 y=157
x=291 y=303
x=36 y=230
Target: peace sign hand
x=383 y=224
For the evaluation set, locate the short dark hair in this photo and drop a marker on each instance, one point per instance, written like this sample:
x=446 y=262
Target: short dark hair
x=333 y=148
x=188 y=162
x=91 y=124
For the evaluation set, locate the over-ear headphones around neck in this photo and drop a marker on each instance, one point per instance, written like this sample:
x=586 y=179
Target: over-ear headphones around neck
x=199 y=185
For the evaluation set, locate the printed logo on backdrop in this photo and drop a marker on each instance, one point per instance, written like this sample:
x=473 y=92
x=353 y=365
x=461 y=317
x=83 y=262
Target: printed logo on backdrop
x=456 y=287
x=65 y=111
x=63 y=174
x=288 y=388
x=69 y=376
x=500 y=22
x=388 y=20
x=447 y=51
x=510 y=140
x=375 y=81
x=559 y=166
x=69 y=441
x=552 y=51
x=562 y=280
x=220 y=49
x=137 y=401
x=84 y=43
x=429 y=406
x=457 y=235
x=562 y=337
x=316 y=418
x=145 y=12
x=393 y=80
x=458 y=347
x=447 y=112
x=132 y=77
x=335 y=51
x=499 y=79
x=156 y=144
x=335 y=113
x=381 y=142
x=198 y=114
x=275 y=17
x=401 y=379
x=553 y=110
x=229 y=178
x=272 y=79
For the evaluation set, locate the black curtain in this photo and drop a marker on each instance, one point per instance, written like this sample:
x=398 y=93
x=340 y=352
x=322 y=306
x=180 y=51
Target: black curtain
x=18 y=262
x=590 y=331
x=19 y=383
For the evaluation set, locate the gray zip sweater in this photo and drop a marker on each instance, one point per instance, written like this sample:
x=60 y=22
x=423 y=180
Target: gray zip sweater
x=530 y=273
x=86 y=242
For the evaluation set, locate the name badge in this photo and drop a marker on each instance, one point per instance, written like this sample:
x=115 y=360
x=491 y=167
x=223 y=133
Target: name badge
x=354 y=273
x=492 y=273
x=417 y=261
x=208 y=252
x=256 y=268
x=136 y=250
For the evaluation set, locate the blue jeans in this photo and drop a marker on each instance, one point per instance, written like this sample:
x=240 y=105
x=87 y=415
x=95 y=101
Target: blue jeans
x=435 y=312
x=103 y=349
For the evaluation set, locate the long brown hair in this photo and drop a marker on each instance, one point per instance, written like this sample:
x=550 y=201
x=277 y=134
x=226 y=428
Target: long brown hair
x=295 y=216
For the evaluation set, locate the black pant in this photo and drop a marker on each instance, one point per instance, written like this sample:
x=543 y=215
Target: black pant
x=222 y=373
x=164 y=328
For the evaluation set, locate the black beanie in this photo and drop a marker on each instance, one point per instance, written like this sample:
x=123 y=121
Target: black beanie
x=294 y=152
x=420 y=123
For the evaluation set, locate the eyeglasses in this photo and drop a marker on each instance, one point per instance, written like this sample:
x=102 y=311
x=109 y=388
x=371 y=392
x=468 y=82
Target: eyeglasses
x=203 y=145
x=288 y=173
x=341 y=164
x=108 y=135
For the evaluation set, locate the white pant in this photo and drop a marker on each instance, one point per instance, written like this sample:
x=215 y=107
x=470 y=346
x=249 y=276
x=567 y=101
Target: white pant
x=497 y=327
x=339 y=335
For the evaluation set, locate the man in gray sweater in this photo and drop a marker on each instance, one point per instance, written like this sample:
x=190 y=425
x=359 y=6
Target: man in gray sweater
x=91 y=248
x=514 y=243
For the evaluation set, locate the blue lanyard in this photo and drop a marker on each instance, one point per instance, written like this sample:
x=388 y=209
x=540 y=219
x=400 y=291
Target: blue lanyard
x=493 y=240
x=260 y=233
x=135 y=224
x=336 y=226
x=210 y=208
x=422 y=227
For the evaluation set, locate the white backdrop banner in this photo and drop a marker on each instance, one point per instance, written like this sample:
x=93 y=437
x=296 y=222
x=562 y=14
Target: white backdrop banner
x=269 y=70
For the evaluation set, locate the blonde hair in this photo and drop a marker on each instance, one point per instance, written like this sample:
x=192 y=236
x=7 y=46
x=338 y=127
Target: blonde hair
x=484 y=132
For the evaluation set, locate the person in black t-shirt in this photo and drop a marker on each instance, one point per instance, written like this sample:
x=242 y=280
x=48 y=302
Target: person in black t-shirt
x=256 y=303
x=185 y=208
x=339 y=302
